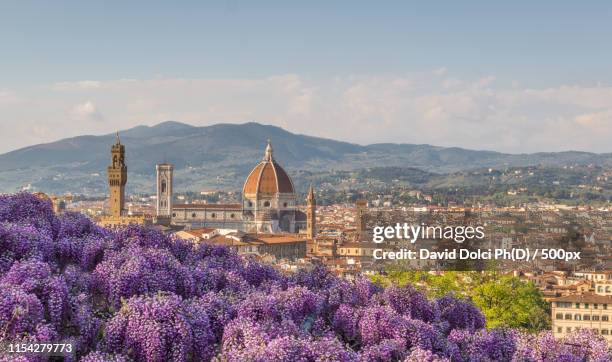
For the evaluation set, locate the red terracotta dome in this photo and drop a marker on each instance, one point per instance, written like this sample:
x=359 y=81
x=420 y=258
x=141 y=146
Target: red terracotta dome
x=268 y=177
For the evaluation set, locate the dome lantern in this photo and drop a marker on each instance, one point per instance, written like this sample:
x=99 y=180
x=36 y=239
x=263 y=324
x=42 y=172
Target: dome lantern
x=268 y=152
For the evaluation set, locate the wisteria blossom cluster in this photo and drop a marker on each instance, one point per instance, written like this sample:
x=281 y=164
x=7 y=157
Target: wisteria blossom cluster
x=136 y=294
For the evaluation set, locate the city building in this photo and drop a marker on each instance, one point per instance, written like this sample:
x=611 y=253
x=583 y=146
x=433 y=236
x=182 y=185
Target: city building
x=279 y=246
x=323 y=246
x=603 y=287
x=586 y=310
x=58 y=202
x=269 y=204
x=359 y=249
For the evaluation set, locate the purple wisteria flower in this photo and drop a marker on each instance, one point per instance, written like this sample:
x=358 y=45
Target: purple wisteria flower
x=136 y=294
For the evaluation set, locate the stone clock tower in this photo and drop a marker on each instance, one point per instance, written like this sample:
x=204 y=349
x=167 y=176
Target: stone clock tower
x=117 y=178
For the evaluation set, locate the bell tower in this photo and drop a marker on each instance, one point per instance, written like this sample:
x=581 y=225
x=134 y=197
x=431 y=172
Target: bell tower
x=164 y=193
x=117 y=178
x=311 y=221
x=362 y=209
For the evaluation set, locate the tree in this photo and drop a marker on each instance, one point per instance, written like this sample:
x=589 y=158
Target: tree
x=511 y=302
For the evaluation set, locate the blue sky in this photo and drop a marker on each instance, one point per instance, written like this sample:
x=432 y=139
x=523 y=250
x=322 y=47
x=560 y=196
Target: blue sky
x=330 y=48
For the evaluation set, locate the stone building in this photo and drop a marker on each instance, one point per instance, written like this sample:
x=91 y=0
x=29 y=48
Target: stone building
x=268 y=197
x=268 y=204
x=58 y=202
x=586 y=310
x=279 y=246
x=163 y=204
x=117 y=179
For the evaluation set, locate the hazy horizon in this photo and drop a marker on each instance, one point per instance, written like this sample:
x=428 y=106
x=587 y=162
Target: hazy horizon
x=112 y=133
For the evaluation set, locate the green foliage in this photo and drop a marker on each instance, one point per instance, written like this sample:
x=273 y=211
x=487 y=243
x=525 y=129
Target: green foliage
x=511 y=302
x=504 y=300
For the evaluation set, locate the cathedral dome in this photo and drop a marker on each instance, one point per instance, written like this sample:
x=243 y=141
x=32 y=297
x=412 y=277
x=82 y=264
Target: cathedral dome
x=268 y=177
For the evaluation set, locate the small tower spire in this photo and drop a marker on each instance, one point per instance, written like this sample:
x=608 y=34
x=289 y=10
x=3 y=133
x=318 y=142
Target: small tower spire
x=118 y=141
x=311 y=219
x=310 y=196
x=268 y=153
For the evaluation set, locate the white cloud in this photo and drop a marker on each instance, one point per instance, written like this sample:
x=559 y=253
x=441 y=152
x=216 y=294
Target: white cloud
x=434 y=107
x=77 y=86
x=86 y=111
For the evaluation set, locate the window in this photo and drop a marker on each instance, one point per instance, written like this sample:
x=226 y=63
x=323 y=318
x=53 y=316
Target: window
x=559 y=329
x=213 y=215
x=586 y=305
x=232 y=216
x=284 y=204
x=163 y=186
x=604 y=332
x=577 y=317
x=266 y=203
x=250 y=204
x=586 y=317
x=604 y=318
x=568 y=316
x=595 y=305
x=174 y=214
x=577 y=305
x=595 y=317
x=568 y=329
x=605 y=306
x=193 y=215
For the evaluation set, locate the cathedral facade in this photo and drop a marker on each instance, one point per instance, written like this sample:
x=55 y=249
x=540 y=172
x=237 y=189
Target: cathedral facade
x=268 y=204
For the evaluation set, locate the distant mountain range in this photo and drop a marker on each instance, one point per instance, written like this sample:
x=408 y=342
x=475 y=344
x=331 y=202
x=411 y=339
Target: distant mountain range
x=221 y=155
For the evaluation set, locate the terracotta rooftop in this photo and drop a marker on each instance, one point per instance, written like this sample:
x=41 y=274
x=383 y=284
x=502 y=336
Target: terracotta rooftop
x=277 y=239
x=252 y=239
x=268 y=177
x=585 y=298
x=362 y=245
x=201 y=231
x=207 y=206
x=227 y=241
